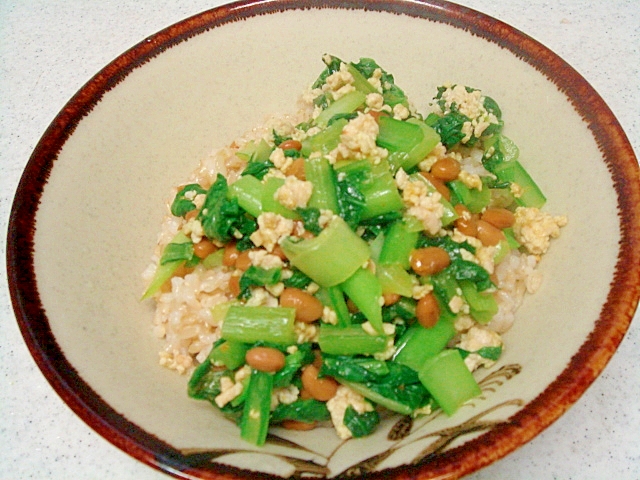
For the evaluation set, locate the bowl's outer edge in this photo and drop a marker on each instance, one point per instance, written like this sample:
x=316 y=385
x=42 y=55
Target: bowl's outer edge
x=585 y=366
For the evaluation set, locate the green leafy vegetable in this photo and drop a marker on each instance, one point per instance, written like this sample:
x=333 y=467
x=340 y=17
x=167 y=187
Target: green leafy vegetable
x=310 y=217
x=467 y=270
x=307 y=411
x=360 y=424
x=490 y=353
x=258 y=169
x=449 y=127
x=183 y=202
x=176 y=252
x=333 y=65
x=293 y=363
x=297 y=280
x=257 y=277
x=351 y=201
x=220 y=217
x=391 y=93
x=396 y=382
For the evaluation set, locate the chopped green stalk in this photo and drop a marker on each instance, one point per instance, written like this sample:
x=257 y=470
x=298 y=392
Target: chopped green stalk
x=230 y=353
x=339 y=305
x=375 y=246
x=413 y=224
x=249 y=192
x=419 y=343
x=320 y=173
x=445 y=286
x=348 y=103
x=269 y=202
x=377 y=398
x=262 y=152
x=397 y=135
x=472 y=198
x=506 y=245
x=405 y=309
x=360 y=169
x=319 y=258
x=511 y=239
x=380 y=192
x=350 y=340
x=449 y=215
x=395 y=279
x=255 y=152
x=252 y=324
x=254 y=424
x=163 y=273
x=214 y=259
x=482 y=306
x=325 y=140
x=502 y=250
x=364 y=289
x=514 y=172
x=167 y=266
x=239 y=400
x=419 y=152
x=399 y=241
x=219 y=311
x=376 y=184
x=508 y=148
x=448 y=380
x=359 y=81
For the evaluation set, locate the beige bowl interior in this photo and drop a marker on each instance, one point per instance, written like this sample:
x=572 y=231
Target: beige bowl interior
x=103 y=202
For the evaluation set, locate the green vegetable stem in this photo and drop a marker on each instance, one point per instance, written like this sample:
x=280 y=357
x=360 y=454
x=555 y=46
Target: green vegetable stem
x=448 y=380
x=320 y=259
x=254 y=424
x=252 y=324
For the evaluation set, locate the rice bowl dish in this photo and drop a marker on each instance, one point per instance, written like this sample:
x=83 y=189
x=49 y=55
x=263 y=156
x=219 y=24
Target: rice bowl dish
x=440 y=231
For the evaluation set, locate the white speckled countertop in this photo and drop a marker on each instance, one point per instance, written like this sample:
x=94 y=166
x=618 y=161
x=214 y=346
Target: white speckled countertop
x=50 y=48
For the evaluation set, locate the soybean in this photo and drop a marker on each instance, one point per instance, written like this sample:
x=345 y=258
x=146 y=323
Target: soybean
x=298 y=425
x=234 y=285
x=291 y=144
x=488 y=234
x=438 y=184
x=297 y=169
x=466 y=223
x=390 y=298
x=308 y=308
x=429 y=260
x=446 y=169
x=265 y=359
x=243 y=262
x=230 y=255
x=428 y=311
x=321 y=389
x=499 y=217
x=191 y=214
x=204 y=248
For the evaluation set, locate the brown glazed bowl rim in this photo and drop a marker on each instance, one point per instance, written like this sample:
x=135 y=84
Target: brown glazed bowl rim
x=614 y=319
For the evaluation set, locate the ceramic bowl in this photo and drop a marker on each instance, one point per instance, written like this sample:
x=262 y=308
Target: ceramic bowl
x=89 y=204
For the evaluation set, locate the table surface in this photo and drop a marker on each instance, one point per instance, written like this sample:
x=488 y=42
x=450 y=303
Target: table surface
x=50 y=48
